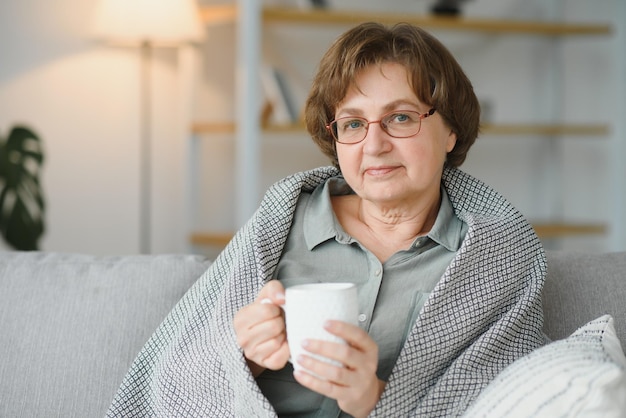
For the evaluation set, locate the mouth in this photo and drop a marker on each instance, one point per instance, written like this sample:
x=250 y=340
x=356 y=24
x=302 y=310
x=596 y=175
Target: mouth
x=379 y=171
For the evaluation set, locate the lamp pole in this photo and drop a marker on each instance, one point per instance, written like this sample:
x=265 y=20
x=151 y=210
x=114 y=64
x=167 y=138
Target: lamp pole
x=147 y=23
x=247 y=155
x=145 y=150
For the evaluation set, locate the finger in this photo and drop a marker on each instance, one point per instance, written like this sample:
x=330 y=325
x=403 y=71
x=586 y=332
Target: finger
x=259 y=323
x=252 y=315
x=322 y=386
x=355 y=401
x=351 y=334
x=266 y=344
x=335 y=351
x=335 y=362
x=262 y=351
x=334 y=372
x=271 y=294
x=273 y=291
x=359 y=352
x=278 y=358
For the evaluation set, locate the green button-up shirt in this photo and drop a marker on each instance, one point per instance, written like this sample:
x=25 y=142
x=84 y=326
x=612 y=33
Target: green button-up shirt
x=391 y=294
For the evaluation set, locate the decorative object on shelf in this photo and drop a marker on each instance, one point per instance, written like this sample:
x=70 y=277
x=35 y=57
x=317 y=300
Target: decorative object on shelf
x=315 y=4
x=278 y=96
x=147 y=24
x=21 y=198
x=486 y=110
x=320 y=4
x=446 y=7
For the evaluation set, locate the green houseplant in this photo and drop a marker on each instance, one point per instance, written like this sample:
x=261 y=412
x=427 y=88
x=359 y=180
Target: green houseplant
x=21 y=198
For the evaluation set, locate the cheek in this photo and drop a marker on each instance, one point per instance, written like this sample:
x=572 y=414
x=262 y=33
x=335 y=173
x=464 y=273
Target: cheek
x=347 y=154
x=427 y=153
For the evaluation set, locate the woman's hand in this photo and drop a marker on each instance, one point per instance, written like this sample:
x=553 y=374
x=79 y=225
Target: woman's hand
x=355 y=386
x=260 y=330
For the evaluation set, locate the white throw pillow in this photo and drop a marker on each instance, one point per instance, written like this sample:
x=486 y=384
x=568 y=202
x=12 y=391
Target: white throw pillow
x=583 y=375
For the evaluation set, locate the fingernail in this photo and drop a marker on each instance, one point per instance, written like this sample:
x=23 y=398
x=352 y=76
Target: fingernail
x=305 y=343
x=266 y=301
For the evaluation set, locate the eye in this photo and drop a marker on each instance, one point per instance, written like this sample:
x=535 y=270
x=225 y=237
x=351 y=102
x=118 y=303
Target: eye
x=351 y=124
x=397 y=118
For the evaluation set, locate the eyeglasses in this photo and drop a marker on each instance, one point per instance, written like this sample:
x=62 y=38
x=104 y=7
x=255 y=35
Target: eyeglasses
x=397 y=124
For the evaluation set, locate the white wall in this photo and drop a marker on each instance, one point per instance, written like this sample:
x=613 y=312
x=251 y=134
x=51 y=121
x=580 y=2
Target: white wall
x=83 y=99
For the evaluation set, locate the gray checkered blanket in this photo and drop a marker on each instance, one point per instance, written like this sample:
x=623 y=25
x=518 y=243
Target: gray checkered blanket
x=484 y=313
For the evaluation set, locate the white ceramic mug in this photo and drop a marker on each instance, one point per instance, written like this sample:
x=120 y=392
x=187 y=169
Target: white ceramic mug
x=308 y=306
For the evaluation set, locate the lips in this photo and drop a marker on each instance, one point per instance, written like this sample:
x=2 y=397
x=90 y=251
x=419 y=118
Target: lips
x=379 y=170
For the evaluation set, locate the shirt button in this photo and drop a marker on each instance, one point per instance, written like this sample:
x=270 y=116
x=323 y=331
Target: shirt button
x=377 y=272
x=362 y=317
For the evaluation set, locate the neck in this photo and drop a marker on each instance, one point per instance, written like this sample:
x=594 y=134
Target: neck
x=405 y=222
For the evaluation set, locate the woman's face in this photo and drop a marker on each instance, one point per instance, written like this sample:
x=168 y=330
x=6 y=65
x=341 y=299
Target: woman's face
x=383 y=169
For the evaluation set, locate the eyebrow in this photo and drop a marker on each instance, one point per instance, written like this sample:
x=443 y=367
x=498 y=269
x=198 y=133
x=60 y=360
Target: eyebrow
x=395 y=105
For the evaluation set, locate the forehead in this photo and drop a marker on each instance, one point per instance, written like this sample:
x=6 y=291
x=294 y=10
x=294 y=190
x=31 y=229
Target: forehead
x=379 y=87
x=385 y=72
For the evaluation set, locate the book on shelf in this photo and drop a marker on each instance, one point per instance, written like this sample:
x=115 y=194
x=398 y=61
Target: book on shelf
x=278 y=96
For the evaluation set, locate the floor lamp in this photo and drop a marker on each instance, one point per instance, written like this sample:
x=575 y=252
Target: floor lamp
x=147 y=24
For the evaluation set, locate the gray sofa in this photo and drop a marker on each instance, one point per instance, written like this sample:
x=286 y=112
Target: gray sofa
x=70 y=324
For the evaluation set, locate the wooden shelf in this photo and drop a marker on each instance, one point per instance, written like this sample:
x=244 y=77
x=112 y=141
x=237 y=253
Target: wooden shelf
x=225 y=13
x=546 y=129
x=213 y=14
x=543 y=230
x=199 y=128
x=210 y=240
x=487 y=129
x=229 y=128
x=561 y=230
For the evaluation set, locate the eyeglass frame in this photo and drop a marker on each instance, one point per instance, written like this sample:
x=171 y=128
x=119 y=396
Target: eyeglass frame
x=422 y=116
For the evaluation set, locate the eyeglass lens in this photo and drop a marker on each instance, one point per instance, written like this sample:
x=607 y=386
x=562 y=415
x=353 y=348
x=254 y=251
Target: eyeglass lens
x=398 y=124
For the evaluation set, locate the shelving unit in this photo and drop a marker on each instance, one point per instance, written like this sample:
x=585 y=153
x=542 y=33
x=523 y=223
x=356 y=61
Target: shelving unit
x=596 y=130
x=212 y=14
x=313 y=17
x=507 y=26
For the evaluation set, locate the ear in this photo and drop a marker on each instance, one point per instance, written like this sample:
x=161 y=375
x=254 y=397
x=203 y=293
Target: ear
x=450 y=141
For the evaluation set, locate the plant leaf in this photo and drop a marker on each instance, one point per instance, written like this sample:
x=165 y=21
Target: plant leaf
x=21 y=199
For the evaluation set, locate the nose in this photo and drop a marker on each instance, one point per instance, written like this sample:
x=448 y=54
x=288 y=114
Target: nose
x=376 y=140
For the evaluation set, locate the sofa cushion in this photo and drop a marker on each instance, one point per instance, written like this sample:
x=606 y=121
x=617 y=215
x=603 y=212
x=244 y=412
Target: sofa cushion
x=582 y=375
x=70 y=325
x=583 y=286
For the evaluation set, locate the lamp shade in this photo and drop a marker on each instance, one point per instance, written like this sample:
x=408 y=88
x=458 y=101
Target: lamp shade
x=162 y=22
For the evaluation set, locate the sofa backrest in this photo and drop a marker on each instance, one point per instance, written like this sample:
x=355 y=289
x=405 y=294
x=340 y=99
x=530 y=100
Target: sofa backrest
x=71 y=325
x=581 y=287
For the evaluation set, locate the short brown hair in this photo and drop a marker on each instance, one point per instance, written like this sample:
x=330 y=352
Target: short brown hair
x=436 y=77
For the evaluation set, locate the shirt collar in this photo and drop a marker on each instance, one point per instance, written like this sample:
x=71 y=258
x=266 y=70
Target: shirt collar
x=448 y=228
x=320 y=223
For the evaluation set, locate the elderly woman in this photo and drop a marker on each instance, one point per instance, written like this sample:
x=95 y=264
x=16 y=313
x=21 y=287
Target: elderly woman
x=449 y=274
